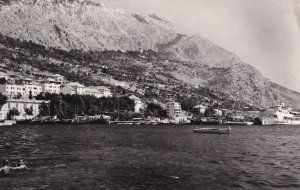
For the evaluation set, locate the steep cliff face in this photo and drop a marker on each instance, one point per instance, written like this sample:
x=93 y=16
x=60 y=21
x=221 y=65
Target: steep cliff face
x=84 y=24
x=87 y=25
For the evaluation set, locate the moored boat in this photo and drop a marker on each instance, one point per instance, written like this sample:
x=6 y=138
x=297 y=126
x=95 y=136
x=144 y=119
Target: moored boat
x=213 y=130
x=280 y=115
x=238 y=123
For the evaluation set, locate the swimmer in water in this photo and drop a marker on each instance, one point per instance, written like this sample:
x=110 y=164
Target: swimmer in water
x=20 y=166
x=5 y=169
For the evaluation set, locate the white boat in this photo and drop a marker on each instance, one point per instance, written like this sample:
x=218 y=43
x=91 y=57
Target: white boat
x=280 y=115
x=213 y=130
x=238 y=123
x=7 y=123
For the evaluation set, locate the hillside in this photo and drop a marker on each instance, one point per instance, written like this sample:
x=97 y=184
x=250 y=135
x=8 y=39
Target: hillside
x=82 y=25
x=83 y=40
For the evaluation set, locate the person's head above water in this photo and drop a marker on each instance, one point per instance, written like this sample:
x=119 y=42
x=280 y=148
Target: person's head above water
x=21 y=162
x=5 y=162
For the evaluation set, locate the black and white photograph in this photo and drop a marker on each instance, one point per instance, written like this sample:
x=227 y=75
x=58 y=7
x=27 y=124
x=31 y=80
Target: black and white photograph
x=149 y=94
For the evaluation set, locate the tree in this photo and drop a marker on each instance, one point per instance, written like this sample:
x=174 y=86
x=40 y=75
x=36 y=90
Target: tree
x=12 y=112
x=30 y=95
x=155 y=110
x=3 y=100
x=29 y=111
x=3 y=80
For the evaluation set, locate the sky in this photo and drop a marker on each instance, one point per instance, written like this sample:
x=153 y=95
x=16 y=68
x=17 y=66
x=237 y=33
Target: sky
x=263 y=33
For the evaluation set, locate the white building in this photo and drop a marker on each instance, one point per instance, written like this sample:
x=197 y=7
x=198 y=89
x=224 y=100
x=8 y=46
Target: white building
x=173 y=109
x=73 y=88
x=104 y=91
x=200 y=108
x=93 y=92
x=35 y=89
x=51 y=88
x=58 y=78
x=12 y=90
x=137 y=103
x=4 y=75
x=22 y=105
x=68 y=90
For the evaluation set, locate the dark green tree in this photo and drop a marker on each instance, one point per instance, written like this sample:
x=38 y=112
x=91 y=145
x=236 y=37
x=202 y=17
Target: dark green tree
x=155 y=110
x=12 y=112
x=3 y=100
x=3 y=80
x=30 y=95
x=29 y=111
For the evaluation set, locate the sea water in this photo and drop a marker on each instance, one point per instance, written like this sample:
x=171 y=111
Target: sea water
x=151 y=157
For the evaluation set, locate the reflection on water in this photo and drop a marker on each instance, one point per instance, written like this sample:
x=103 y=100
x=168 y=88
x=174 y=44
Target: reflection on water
x=151 y=157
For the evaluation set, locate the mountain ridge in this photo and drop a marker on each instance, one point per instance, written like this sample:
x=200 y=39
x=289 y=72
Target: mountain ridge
x=88 y=26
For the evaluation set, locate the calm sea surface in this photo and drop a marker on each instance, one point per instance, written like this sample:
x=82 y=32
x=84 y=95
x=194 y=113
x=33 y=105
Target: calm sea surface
x=151 y=157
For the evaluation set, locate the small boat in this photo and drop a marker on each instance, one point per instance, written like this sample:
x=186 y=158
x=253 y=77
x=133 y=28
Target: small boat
x=238 y=123
x=213 y=130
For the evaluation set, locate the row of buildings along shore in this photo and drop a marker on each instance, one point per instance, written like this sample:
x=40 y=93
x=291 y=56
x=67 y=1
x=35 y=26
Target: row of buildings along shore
x=21 y=95
x=18 y=94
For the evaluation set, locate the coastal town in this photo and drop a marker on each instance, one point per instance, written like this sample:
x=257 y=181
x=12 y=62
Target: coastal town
x=27 y=101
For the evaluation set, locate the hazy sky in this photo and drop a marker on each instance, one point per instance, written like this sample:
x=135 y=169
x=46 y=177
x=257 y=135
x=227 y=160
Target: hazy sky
x=263 y=33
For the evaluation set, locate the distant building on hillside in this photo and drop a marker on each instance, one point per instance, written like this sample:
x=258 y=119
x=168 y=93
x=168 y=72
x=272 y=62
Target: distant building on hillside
x=173 y=109
x=73 y=88
x=51 y=88
x=34 y=89
x=68 y=90
x=4 y=75
x=58 y=78
x=25 y=80
x=12 y=90
x=93 y=92
x=200 y=108
x=104 y=91
x=137 y=103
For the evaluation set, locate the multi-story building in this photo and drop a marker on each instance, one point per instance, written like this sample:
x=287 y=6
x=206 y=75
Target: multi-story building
x=173 y=109
x=12 y=90
x=104 y=91
x=58 y=78
x=35 y=89
x=51 y=88
x=27 y=108
x=137 y=103
x=93 y=92
x=73 y=88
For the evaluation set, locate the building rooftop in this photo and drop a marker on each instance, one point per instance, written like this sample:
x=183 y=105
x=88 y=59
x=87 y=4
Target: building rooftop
x=101 y=88
x=133 y=97
x=76 y=84
x=88 y=89
x=57 y=75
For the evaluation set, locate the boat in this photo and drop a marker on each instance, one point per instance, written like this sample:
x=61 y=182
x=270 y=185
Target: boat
x=213 y=130
x=238 y=123
x=280 y=115
x=7 y=123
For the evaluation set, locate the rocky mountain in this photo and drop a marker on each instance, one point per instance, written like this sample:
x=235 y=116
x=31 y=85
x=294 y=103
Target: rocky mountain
x=82 y=24
x=87 y=26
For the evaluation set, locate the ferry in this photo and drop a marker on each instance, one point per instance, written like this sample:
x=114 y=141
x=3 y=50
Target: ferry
x=280 y=115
